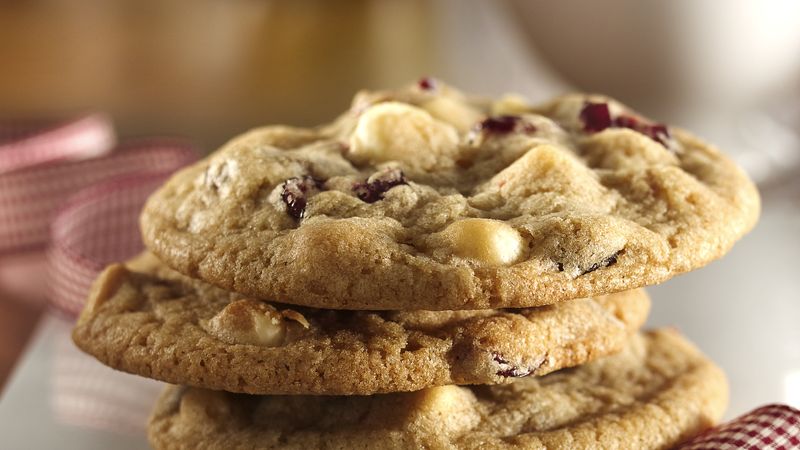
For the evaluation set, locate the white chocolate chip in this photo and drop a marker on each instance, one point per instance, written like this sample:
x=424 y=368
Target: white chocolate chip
x=457 y=113
x=446 y=398
x=487 y=241
x=202 y=405
x=268 y=330
x=512 y=105
x=451 y=408
x=249 y=322
x=393 y=131
x=219 y=174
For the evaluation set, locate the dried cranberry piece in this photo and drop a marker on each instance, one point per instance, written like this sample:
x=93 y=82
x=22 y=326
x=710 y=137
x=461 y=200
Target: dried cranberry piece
x=427 y=83
x=657 y=132
x=295 y=194
x=610 y=261
x=660 y=133
x=373 y=189
x=628 y=122
x=499 y=124
x=509 y=370
x=505 y=124
x=595 y=116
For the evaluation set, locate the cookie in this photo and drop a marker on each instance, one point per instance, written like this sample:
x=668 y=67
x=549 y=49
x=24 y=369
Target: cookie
x=656 y=393
x=149 y=320
x=423 y=198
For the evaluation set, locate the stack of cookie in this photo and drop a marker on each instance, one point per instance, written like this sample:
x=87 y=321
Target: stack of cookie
x=430 y=270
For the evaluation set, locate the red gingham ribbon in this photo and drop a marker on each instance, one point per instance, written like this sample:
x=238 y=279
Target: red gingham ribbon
x=30 y=197
x=39 y=166
x=773 y=427
x=26 y=145
x=66 y=188
x=98 y=225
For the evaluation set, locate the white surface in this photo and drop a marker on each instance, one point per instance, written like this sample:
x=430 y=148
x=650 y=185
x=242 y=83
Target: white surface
x=27 y=418
x=743 y=311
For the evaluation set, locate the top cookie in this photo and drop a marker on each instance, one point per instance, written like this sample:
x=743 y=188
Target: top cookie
x=423 y=198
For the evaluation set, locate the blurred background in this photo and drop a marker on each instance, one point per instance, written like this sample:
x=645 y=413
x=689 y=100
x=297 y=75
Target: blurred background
x=207 y=70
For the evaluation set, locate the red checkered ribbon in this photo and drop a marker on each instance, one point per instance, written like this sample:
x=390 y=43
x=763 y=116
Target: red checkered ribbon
x=774 y=427
x=26 y=145
x=39 y=166
x=66 y=186
x=98 y=225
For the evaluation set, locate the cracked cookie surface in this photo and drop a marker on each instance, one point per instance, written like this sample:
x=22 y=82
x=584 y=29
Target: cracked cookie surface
x=654 y=394
x=424 y=198
x=147 y=319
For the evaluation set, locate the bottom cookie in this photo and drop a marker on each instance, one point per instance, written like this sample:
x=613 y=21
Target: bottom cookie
x=659 y=391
